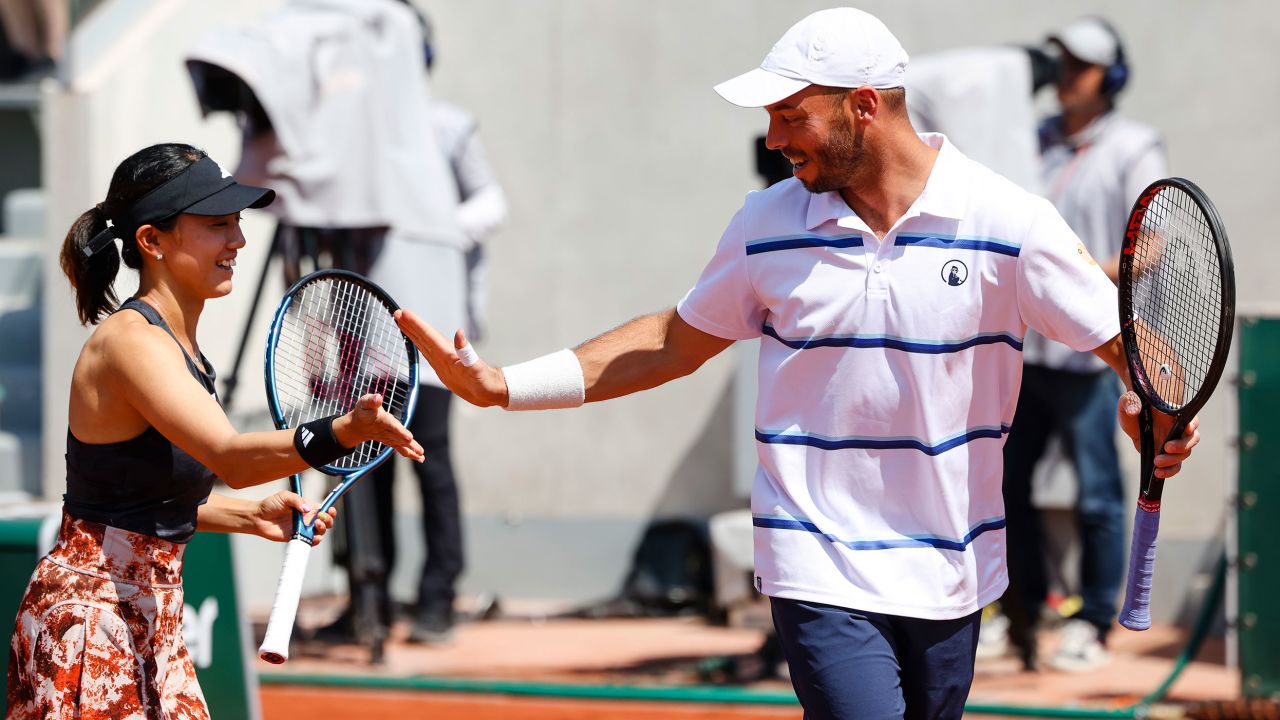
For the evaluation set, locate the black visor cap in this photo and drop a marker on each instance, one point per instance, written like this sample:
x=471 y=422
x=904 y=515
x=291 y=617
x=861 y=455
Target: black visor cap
x=202 y=189
x=232 y=199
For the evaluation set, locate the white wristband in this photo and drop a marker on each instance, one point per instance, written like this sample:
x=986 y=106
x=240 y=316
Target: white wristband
x=467 y=355
x=545 y=383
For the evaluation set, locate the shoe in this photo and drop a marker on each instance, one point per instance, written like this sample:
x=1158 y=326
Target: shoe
x=993 y=637
x=432 y=627
x=1081 y=649
x=1025 y=646
x=341 y=631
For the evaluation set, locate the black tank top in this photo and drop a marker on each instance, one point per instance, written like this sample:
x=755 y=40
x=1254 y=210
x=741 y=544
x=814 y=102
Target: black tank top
x=147 y=484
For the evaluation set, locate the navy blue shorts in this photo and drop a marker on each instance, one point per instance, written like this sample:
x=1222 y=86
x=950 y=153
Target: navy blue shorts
x=852 y=664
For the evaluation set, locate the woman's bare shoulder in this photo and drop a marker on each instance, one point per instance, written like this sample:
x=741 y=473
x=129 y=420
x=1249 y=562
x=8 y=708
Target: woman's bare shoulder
x=127 y=337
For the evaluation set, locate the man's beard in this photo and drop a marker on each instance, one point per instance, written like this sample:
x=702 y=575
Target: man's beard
x=836 y=158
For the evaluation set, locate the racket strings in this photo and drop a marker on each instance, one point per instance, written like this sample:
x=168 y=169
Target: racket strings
x=1177 y=296
x=338 y=341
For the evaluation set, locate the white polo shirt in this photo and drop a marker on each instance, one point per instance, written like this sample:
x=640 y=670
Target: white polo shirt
x=889 y=373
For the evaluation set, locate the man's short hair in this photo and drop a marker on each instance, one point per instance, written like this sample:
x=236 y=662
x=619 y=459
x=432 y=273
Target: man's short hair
x=895 y=99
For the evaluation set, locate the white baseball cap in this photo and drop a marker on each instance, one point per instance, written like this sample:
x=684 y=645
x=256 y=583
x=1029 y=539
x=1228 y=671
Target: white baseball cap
x=841 y=47
x=1090 y=40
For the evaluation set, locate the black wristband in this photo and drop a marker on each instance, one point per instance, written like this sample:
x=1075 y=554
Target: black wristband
x=317 y=444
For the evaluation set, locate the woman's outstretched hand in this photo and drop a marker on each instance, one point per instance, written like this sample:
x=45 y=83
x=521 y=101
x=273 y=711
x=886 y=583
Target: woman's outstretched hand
x=368 y=421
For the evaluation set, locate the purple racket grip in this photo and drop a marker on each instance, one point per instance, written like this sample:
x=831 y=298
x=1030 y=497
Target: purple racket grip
x=1136 y=612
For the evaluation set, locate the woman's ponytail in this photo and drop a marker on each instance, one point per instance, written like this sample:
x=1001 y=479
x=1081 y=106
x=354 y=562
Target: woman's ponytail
x=92 y=274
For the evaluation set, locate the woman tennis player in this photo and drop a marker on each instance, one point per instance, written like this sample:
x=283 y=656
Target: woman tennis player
x=99 y=632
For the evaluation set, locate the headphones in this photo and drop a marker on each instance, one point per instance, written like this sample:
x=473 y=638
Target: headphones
x=428 y=54
x=1117 y=74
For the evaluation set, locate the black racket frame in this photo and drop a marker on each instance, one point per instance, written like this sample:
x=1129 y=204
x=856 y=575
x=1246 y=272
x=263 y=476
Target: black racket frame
x=1152 y=486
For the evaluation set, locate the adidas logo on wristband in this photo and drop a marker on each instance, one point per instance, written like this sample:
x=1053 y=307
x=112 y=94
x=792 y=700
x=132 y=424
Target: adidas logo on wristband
x=317 y=444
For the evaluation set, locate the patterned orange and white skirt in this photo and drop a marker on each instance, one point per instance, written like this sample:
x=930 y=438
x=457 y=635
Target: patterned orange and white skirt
x=99 y=632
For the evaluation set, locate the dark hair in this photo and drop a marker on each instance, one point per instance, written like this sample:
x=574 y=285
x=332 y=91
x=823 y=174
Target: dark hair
x=894 y=98
x=138 y=174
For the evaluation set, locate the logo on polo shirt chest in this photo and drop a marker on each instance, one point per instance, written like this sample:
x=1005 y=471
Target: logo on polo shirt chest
x=954 y=272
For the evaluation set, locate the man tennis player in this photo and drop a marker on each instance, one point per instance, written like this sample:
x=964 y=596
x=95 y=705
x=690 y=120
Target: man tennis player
x=892 y=281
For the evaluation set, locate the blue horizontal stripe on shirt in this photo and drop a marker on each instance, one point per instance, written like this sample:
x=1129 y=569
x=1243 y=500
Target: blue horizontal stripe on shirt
x=880 y=443
x=916 y=541
x=961 y=243
x=795 y=242
x=933 y=347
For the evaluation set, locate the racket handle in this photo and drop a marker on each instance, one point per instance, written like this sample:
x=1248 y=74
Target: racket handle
x=275 y=645
x=1136 y=612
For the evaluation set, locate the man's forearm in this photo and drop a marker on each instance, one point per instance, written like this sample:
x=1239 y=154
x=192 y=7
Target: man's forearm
x=1112 y=353
x=642 y=354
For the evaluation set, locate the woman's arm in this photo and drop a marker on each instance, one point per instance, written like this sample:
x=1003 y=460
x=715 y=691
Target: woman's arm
x=147 y=369
x=270 y=518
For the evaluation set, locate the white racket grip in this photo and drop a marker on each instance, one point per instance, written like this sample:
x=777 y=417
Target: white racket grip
x=275 y=645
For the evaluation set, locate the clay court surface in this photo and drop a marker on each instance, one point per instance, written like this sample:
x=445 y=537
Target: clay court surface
x=283 y=702
x=679 y=652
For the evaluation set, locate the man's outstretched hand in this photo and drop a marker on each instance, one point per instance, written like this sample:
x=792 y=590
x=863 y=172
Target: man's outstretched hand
x=478 y=384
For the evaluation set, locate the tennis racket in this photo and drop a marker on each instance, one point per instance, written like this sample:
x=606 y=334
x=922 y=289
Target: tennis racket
x=1177 y=311
x=333 y=340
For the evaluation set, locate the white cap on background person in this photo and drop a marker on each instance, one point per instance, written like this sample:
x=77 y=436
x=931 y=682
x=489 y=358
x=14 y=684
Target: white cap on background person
x=841 y=47
x=1090 y=40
